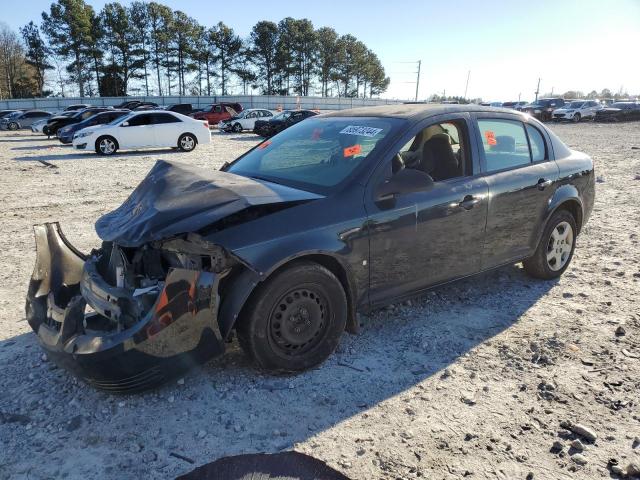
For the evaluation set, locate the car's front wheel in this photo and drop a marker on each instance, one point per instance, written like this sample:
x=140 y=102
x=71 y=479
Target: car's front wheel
x=294 y=321
x=576 y=118
x=555 y=251
x=106 y=145
x=13 y=126
x=237 y=128
x=187 y=142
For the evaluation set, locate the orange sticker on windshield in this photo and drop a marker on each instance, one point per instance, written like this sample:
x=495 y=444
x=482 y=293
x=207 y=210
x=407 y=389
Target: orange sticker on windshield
x=264 y=144
x=353 y=150
x=491 y=137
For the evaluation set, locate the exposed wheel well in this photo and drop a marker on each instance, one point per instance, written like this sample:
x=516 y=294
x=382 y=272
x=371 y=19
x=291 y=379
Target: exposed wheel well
x=574 y=208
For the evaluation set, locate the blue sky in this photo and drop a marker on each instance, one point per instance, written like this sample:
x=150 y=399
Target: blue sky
x=571 y=44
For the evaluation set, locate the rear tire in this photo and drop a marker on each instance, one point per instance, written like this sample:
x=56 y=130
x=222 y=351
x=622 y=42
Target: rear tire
x=187 y=142
x=294 y=321
x=556 y=247
x=106 y=145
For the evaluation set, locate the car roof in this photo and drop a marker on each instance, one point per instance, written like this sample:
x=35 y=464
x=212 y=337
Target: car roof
x=414 y=111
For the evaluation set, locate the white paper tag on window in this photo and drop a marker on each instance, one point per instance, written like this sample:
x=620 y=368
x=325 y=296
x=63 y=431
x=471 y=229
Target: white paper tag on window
x=361 y=131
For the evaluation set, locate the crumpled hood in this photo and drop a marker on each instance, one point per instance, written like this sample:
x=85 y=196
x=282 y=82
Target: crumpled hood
x=177 y=198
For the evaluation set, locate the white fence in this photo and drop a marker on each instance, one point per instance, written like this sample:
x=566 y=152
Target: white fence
x=247 y=101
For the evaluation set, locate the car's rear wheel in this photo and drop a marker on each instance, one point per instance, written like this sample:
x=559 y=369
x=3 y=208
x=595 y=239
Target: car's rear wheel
x=187 y=142
x=576 y=118
x=13 y=126
x=555 y=251
x=106 y=145
x=237 y=128
x=294 y=321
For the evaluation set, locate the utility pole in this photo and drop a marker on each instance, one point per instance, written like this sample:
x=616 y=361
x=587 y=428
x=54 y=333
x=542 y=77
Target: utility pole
x=466 y=87
x=418 y=79
x=538 y=90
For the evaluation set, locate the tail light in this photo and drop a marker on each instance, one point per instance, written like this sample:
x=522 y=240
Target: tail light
x=206 y=123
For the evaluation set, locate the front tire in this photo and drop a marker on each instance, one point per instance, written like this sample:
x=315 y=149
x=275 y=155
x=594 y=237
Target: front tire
x=13 y=126
x=294 y=321
x=556 y=247
x=576 y=118
x=187 y=142
x=106 y=145
x=237 y=128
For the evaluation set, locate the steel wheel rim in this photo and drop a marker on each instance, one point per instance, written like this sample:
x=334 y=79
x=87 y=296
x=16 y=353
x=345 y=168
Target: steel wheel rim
x=298 y=321
x=187 y=142
x=560 y=246
x=107 y=146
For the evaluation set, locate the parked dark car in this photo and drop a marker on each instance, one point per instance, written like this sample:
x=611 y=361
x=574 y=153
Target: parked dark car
x=133 y=104
x=543 y=108
x=515 y=105
x=183 y=108
x=619 y=112
x=147 y=106
x=57 y=122
x=217 y=112
x=283 y=120
x=22 y=119
x=65 y=134
x=339 y=214
x=77 y=106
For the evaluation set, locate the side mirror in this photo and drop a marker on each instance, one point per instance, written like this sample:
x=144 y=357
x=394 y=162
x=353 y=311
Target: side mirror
x=125 y=124
x=405 y=181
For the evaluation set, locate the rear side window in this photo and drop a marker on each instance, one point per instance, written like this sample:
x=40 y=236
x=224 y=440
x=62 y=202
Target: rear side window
x=160 y=118
x=505 y=144
x=140 y=120
x=538 y=148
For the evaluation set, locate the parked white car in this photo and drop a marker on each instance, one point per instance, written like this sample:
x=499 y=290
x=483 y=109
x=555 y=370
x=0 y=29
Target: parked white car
x=39 y=125
x=144 y=129
x=576 y=110
x=245 y=120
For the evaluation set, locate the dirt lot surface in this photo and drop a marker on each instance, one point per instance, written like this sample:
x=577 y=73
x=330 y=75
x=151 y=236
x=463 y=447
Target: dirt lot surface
x=484 y=378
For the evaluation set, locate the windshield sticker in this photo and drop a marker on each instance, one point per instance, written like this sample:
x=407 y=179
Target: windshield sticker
x=264 y=144
x=352 y=150
x=491 y=137
x=360 y=130
x=316 y=134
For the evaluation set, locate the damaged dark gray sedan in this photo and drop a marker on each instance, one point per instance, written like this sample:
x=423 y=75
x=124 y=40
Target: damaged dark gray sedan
x=337 y=215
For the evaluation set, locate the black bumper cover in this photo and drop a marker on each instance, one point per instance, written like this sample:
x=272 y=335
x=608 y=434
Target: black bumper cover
x=178 y=331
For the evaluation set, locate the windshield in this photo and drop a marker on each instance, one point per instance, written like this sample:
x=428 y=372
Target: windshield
x=13 y=115
x=315 y=154
x=120 y=119
x=575 y=105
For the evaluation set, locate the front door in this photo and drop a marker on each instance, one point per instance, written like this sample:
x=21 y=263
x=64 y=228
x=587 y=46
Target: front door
x=522 y=179
x=138 y=132
x=428 y=237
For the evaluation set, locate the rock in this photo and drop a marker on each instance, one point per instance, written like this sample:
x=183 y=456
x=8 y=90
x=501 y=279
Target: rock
x=121 y=404
x=584 y=432
x=633 y=469
x=171 y=398
x=600 y=179
x=202 y=434
x=557 y=447
x=180 y=381
x=530 y=476
x=618 y=470
x=636 y=442
x=149 y=456
x=579 y=459
x=406 y=434
x=468 y=399
x=44 y=357
x=577 y=445
x=620 y=331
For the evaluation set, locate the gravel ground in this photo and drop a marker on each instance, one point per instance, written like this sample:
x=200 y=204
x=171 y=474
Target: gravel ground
x=490 y=377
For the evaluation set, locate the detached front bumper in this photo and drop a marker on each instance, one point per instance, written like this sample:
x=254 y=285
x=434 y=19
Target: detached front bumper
x=115 y=338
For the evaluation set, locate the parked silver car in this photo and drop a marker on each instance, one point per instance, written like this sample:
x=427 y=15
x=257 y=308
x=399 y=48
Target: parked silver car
x=18 y=120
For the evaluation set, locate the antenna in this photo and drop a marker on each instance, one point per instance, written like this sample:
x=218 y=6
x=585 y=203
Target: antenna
x=537 y=90
x=418 y=79
x=466 y=87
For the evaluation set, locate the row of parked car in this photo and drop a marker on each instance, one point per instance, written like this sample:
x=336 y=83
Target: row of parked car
x=558 y=109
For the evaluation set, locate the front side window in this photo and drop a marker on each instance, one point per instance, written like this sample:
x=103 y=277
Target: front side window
x=505 y=144
x=140 y=120
x=440 y=150
x=316 y=154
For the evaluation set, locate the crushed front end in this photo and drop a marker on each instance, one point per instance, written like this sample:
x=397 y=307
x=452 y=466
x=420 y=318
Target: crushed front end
x=125 y=319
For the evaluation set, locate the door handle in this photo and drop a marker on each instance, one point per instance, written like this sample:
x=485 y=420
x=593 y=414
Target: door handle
x=544 y=183
x=468 y=202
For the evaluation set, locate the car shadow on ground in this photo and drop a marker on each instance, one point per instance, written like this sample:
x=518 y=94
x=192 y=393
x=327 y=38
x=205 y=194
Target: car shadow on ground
x=229 y=407
x=79 y=155
x=42 y=147
x=23 y=138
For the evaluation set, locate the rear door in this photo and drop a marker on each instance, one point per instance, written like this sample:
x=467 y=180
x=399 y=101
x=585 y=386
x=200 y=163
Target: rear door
x=166 y=129
x=139 y=132
x=522 y=177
